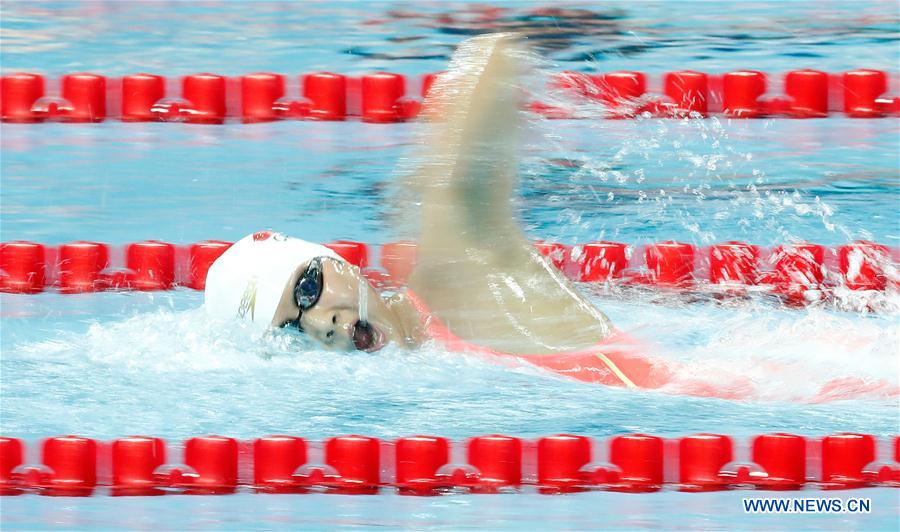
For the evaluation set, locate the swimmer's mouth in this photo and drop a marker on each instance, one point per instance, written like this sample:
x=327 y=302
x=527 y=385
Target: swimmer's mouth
x=366 y=337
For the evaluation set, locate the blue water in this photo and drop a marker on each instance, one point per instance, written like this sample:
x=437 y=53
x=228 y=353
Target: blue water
x=175 y=38
x=110 y=364
x=580 y=511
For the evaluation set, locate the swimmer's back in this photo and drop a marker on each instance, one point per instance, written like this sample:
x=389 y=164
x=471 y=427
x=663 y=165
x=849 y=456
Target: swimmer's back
x=526 y=310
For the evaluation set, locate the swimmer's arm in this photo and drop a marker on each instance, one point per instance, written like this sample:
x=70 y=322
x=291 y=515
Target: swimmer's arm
x=473 y=259
x=473 y=150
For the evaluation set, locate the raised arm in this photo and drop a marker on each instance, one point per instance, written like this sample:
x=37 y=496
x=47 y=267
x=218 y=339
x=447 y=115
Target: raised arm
x=469 y=170
x=476 y=270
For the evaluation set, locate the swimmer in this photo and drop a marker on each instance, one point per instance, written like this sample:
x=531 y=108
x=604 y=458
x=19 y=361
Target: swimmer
x=478 y=283
x=475 y=268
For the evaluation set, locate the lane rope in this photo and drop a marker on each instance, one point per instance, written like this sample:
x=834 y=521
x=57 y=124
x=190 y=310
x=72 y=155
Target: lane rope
x=797 y=274
x=429 y=465
x=385 y=97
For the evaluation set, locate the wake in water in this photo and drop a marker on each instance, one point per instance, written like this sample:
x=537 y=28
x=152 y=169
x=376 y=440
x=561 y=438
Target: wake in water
x=761 y=354
x=762 y=350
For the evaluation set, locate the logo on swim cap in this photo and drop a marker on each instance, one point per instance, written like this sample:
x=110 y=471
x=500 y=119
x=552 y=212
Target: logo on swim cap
x=250 y=278
x=248 y=300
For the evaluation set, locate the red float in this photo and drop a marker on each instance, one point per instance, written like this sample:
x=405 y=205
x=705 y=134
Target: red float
x=203 y=255
x=578 y=84
x=556 y=253
x=398 y=259
x=73 y=464
x=798 y=268
x=560 y=459
x=498 y=459
x=861 y=89
x=844 y=456
x=152 y=265
x=863 y=265
x=418 y=461
x=206 y=94
x=701 y=458
x=259 y=92
x=12 y=454
x=140 y=92
x=639 y=458
x=22 y=265
x=602 y=261
x=618 y=88
x=327 y=93
x=380 y=95
x=552 y=112
x=733 y=262
x=670 y=263
x=275 y=459
x=18 y=94
x=134 y=459
x=428 y=81
x=357 y=461
x=742 y=91
x=808 y=93
x=86 y=94
x=214 y=459
x=80 y=266
x=689 y=91
x=800 y=264
x=356 y=253
x=783 y=457
x=889 y=105
x=408 y=108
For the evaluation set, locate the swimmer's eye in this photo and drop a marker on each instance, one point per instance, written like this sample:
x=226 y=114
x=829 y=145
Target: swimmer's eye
x=307 y=291
x=309 y=286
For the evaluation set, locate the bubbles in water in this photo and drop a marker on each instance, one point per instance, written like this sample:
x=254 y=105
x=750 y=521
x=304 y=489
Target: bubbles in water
x=695 y=178
x=766 y=353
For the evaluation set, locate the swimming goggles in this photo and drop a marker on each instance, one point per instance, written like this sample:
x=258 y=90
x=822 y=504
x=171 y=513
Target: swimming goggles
x=308 y=289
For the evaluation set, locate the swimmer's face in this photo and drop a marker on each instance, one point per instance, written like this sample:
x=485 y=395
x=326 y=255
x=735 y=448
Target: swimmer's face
x=334 y=319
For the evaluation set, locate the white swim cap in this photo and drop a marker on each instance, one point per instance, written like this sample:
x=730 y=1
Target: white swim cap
x=248 y=280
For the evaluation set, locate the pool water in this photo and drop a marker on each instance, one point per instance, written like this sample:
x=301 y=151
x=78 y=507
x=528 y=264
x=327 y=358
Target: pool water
x=110 y=364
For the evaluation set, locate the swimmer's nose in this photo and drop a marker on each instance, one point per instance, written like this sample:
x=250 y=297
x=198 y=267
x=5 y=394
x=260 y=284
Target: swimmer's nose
x=333 y=328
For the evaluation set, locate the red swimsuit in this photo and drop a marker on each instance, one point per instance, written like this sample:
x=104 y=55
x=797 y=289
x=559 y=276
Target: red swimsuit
x=619 y=361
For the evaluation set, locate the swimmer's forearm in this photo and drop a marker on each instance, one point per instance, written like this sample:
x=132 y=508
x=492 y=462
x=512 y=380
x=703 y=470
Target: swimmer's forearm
x=477 y=120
